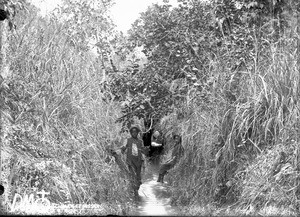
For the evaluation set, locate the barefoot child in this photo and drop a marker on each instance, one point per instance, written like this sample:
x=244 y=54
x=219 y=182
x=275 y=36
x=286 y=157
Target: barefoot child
x=134 y=157
x=177 y=153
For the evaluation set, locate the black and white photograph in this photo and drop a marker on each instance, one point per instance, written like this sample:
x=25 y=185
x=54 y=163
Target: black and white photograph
x=150 y=107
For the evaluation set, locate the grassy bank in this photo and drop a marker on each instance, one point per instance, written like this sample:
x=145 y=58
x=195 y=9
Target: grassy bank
x=244 y=152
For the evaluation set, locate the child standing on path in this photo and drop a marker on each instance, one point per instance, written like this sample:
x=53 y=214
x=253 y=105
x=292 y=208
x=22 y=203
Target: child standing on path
x=134 y=157
x=177 y=153
x=157 y=147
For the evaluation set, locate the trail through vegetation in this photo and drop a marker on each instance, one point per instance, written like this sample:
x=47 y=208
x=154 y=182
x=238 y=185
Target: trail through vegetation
x=154 y=196
x=224 y=74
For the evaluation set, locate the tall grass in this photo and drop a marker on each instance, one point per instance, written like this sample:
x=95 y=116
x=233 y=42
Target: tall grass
x=62 y=122
x=231 y=144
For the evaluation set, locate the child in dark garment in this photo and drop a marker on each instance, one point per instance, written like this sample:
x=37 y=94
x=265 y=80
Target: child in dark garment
x=176 y=153
x=157 y=147
x=134 y=150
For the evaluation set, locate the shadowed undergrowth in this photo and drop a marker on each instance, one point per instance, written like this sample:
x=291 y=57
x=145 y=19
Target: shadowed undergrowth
x=233 y=156
x=240 y=124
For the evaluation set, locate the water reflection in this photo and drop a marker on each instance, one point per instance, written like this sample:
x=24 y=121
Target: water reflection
x=154 y=198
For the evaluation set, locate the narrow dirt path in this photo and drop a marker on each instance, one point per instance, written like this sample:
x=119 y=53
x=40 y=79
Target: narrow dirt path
x=154 y=196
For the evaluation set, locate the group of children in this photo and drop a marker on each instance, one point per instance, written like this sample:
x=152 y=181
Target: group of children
x=136 y=152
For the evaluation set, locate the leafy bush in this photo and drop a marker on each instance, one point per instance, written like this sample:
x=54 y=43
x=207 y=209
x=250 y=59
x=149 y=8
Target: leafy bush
x=61 y=123
x=249 y=106
x=223 y=74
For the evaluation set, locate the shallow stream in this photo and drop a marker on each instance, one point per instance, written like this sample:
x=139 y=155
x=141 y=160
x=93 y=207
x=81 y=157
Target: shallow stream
x=154 y=196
